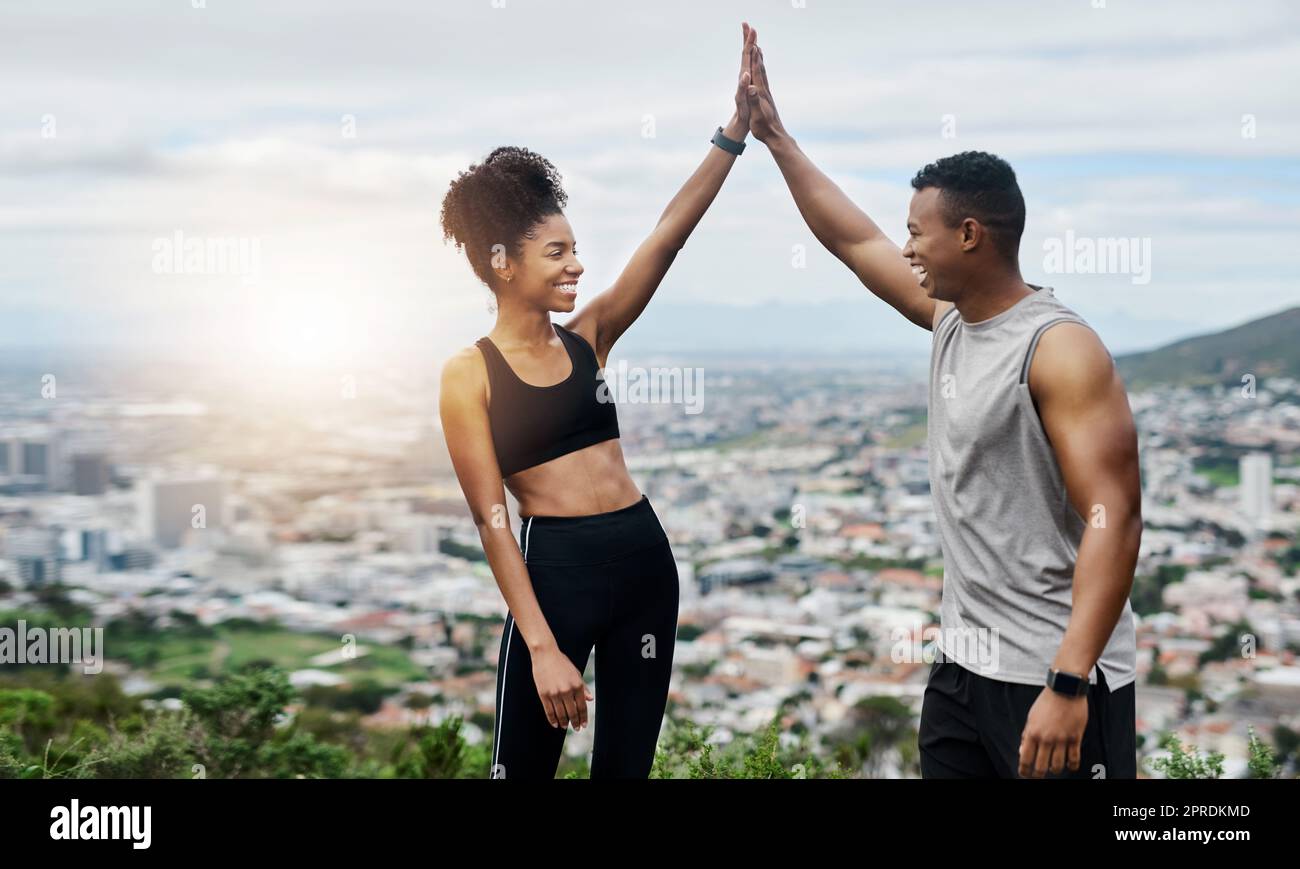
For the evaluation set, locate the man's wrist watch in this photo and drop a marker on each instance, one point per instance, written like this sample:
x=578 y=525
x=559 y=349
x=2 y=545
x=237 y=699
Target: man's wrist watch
x=1069 y=684
x=726 y=144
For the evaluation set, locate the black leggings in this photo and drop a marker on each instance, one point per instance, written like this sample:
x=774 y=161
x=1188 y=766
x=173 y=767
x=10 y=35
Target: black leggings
x=609 y=581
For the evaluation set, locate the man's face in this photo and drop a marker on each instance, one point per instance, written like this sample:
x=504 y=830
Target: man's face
x=933 y=249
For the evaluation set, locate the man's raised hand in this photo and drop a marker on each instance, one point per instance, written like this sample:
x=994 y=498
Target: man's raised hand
x=764 y=122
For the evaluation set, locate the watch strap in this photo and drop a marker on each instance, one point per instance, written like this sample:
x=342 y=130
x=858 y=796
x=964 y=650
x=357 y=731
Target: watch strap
x=726 y=144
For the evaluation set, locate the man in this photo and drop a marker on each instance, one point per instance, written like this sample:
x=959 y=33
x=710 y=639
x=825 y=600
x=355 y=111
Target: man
x=1033 y=470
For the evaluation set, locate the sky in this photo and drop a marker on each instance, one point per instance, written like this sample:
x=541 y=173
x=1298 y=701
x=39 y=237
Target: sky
x=327 y=132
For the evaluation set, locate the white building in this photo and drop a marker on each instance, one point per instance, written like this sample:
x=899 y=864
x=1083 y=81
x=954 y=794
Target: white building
x=172 y=510
x=1257 y=486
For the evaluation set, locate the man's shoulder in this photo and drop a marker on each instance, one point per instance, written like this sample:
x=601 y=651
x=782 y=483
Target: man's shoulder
x=1070 y=357
x=941 y=312
x=1050 y=306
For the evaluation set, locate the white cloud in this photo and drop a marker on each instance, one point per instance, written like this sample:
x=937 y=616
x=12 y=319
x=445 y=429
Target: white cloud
x=228 y=120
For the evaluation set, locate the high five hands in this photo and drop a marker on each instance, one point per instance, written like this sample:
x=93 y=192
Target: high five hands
x=759 y=110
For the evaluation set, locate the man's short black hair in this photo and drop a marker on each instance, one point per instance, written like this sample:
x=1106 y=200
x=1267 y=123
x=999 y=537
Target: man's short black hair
x=979 y=185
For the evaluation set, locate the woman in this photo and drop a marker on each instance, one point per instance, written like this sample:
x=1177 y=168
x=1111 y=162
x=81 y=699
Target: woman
x=592 y=566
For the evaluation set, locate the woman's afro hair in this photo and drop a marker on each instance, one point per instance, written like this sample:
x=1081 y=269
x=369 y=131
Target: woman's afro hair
x=500 y=201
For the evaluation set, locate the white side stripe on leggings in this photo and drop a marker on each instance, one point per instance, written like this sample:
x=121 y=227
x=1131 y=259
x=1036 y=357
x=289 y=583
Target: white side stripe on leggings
x=510 y=630
x=496 y=749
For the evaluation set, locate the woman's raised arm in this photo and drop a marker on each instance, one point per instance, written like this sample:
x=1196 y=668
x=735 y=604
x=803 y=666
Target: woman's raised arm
x=610 y=314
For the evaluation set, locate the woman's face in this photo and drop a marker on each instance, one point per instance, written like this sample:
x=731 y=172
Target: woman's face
x=546 y=272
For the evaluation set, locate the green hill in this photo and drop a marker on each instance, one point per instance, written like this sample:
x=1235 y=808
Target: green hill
x=1268 y=347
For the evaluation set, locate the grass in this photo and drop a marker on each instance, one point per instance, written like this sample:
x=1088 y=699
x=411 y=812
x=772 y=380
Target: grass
x=230 y=649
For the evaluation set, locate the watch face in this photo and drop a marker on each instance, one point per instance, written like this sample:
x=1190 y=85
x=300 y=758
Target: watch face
x=1064 y=683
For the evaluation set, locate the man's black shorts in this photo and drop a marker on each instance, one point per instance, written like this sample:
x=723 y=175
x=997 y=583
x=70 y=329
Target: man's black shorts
x=971 y=726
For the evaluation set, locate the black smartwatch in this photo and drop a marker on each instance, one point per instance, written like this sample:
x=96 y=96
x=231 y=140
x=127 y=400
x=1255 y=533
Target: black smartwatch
x=726 y=144
x=1069 y=684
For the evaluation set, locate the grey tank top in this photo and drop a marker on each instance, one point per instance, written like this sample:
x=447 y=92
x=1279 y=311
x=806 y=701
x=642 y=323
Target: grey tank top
x=1008 y=531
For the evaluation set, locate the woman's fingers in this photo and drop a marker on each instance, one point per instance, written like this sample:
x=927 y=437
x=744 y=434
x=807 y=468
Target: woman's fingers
x=746 y=77
x=570 y=708
x=742 y=90
x=744 y=43
x=579 y=708
x=744 y=47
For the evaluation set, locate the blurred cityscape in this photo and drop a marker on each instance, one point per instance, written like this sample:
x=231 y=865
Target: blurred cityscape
x=797 y=502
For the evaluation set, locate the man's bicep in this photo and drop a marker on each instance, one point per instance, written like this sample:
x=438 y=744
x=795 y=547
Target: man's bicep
x=881 y=267
x=1086 y=416
x=1097 y=453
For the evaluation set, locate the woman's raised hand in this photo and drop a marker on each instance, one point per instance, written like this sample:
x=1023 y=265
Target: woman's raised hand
x=764 y=122
x=748 y=35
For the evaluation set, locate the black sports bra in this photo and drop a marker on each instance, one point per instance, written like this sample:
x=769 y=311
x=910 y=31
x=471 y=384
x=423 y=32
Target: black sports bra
x=534 y=424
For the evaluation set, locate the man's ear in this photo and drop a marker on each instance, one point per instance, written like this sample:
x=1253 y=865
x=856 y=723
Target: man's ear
x=971 y=233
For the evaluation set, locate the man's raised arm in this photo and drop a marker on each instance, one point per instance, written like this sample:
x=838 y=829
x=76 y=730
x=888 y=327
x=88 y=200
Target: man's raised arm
x=838 y=224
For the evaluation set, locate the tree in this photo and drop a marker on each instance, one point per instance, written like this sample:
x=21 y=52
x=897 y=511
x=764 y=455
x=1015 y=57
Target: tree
x=441 y=753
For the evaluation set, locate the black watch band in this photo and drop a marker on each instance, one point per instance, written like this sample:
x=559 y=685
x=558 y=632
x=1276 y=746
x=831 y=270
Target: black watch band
x=1068 y=684
x=730 y=145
